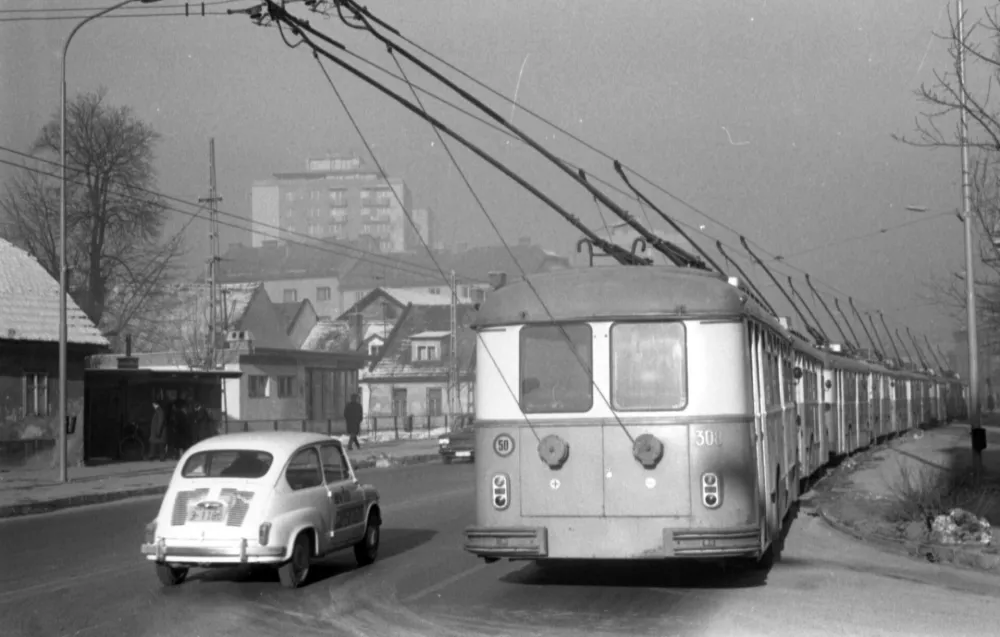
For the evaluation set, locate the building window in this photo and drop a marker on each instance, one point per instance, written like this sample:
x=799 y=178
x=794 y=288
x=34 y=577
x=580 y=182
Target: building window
x=338 y=198
x=434 y=290
x=374 y=349
x=434 y=401
x=286 y=386
x=36 y=394
x=478 y=295
x=258 y=386
x=290 y=296
x=323 y=294
x=464 y=291
x=427 y=353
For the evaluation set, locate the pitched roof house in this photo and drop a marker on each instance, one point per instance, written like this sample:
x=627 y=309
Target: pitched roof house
x=411 y=376
x=29 y=357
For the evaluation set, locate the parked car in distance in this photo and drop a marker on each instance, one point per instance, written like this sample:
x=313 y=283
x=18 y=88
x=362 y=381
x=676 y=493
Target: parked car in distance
x=277 y=498
x=460 y=442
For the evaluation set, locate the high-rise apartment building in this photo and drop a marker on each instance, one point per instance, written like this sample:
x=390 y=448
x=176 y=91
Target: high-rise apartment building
x=338 y=198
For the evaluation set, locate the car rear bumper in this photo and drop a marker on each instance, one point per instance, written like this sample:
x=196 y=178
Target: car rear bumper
x=457 y=453
x=236 y=552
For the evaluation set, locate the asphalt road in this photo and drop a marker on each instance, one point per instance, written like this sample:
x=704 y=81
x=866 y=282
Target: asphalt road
x=79 y=573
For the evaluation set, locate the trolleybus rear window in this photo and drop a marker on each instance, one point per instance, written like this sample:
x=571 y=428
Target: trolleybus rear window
x=556 y=370
x=648 y=366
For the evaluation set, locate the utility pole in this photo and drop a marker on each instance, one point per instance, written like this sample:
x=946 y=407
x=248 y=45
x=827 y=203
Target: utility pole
x=213 y=235
x=454 y=403
x=978 y=435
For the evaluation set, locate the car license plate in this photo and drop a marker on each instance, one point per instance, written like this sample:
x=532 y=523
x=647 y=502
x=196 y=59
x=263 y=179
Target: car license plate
x=463 y=454
x=206 y=515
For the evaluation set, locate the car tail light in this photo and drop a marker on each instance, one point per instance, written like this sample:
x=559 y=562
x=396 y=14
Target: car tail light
x=151 y=532
x=264 y=533
x=711 y=490
x=501 y=491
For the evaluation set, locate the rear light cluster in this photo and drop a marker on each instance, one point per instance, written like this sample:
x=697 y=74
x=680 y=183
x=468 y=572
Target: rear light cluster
x=501 y=491
x=264 y=533
x=151 y=532
x=711 y=490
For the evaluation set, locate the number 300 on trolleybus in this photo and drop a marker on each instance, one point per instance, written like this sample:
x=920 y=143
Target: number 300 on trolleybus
x=631 y=413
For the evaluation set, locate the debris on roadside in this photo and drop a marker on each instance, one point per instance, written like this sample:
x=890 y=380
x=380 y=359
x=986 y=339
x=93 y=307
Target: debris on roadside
x=959 y=526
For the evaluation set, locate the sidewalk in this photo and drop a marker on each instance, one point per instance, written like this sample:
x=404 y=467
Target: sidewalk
x=28 y=491
x=866 y=494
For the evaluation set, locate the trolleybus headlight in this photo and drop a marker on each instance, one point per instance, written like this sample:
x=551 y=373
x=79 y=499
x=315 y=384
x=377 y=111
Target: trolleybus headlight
x=711 y=490
x=501 y=491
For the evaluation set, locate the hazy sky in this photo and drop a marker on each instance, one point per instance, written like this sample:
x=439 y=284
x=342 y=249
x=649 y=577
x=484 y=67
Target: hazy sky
x=770 y=116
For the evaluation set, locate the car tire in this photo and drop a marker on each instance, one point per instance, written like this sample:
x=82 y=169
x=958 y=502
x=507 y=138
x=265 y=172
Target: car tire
x=295 y=571
x=170 y=575
x=366 y=551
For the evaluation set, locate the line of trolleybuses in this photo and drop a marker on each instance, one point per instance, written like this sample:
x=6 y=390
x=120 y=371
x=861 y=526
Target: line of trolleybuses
x=660 y=412
x=621 y=413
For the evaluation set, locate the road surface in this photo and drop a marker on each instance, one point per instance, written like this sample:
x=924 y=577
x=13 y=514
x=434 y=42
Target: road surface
x=79 y=572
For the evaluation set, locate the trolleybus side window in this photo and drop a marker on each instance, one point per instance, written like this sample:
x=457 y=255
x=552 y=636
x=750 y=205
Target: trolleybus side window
x=648 y=366
x=556 y=372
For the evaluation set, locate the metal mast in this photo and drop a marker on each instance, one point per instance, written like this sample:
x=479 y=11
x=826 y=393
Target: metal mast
x=213 y=236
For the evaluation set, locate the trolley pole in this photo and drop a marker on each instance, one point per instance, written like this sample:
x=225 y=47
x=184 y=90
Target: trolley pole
x=975 y=414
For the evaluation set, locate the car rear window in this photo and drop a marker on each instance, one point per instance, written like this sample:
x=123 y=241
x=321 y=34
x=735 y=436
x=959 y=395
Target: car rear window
x=228 y=463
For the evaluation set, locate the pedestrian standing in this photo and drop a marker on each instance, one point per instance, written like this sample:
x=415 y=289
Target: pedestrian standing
x=157 y=434
x=354 y=414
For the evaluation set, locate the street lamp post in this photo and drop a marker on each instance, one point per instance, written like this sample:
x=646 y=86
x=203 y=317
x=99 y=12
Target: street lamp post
x=63 y=270
x=975 y=414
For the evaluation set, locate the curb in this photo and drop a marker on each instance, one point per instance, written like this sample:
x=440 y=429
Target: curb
x=35 y=508
x=960 y=556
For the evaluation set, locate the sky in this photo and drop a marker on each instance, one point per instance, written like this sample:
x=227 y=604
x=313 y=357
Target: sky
x=770 y=117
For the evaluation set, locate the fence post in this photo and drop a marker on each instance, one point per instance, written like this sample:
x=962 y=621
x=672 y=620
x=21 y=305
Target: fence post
x=374 y=428
x=246 y=425
x=304 y=429
x=395 y=426
x=428 y=425
x=276 y=425
x=329 y=427
x=446 y=423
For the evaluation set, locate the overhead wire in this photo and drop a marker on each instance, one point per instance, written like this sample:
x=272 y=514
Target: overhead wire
x=587 y=369
x=602 y=153
x=316 y=53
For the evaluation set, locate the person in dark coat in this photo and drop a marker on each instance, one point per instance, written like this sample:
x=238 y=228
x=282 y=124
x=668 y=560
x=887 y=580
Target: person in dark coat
x=354 y=414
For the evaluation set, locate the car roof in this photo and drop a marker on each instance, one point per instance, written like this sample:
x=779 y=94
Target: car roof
x=277 y=443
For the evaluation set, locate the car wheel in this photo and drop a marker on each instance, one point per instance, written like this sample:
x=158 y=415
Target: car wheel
x=294 y=572
x=170 y=575
x=366 y=550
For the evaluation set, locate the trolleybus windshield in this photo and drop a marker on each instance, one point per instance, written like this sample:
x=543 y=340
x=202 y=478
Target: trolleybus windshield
x=556 y=364
x=648 y=370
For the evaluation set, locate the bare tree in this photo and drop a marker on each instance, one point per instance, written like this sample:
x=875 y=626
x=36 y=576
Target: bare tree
x=115 y=248
x=946 y=97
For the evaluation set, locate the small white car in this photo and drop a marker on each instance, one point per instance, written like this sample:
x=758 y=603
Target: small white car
x=280 y=498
